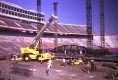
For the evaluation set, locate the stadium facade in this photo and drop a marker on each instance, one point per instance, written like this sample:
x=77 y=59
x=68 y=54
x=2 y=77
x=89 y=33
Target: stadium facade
x=19 y=26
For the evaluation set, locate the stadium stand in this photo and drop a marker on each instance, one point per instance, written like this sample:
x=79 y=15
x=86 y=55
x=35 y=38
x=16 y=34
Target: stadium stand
x=20 y=36
x=2 y=22
x=9 y=22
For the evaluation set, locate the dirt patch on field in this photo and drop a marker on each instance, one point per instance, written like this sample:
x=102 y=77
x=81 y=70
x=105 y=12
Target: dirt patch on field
x=58 y=72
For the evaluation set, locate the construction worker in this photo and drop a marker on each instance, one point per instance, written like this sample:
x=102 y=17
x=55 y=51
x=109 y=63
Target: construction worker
x=65 y=52
x=81 y=52
x=49 y=65
x=93 y=66
x=64 y=62
x=87 y=67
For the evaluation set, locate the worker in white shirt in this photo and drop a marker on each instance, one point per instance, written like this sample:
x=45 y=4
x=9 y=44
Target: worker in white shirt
x=49 y=65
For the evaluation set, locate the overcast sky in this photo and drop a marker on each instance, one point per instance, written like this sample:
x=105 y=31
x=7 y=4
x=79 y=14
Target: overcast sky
x=74 y=12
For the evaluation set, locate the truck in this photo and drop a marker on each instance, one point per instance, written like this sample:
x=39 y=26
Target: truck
x=32 y=52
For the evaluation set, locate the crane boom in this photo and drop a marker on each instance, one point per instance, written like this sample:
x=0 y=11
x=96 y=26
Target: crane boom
x=44 y=27
x=33 y=47
x=37 y=40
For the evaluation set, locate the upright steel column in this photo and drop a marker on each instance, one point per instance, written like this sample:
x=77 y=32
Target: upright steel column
x=39 y=26
x=56 y=25
x=102 y=29
x=89 y=23
x=39 y=6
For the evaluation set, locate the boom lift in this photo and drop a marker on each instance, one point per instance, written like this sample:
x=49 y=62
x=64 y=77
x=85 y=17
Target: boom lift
x=31 y=52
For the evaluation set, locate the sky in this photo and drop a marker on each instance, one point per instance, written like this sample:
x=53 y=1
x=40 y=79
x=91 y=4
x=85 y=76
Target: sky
x=74 y=12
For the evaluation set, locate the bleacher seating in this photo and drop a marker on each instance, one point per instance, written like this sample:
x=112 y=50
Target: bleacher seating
x=112 y=41
x=67 y=29
x=73 y=29
x=62 y=28
x=34 y=25
x=26 y=26
x=21 y=41
x=12 y=43
x=51 y=28
x=81 y=30
x=9 y=22
x=2 y=22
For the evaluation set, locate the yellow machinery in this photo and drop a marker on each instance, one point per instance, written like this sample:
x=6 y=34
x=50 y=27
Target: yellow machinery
x=31 y=52
x=76 y=61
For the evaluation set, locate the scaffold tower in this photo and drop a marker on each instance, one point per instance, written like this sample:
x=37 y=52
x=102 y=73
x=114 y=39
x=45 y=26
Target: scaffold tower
x=56 y=25
x=39 y=6
x=102 y=28
x=89 y=23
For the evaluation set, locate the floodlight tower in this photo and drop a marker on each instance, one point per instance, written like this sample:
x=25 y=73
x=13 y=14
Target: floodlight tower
x=56 y=25
x=89 y=23
x=102 y=28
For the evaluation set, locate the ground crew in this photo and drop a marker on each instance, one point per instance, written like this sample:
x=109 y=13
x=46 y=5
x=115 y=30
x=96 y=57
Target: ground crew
x=49 y=65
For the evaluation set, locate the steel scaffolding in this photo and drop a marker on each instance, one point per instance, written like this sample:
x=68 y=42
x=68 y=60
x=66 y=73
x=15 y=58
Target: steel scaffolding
x=102 y=29
x=89 y=23
x=56 y=25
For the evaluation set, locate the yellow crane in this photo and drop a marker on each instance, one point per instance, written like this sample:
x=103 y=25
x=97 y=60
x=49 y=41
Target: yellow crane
x=31 y=52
